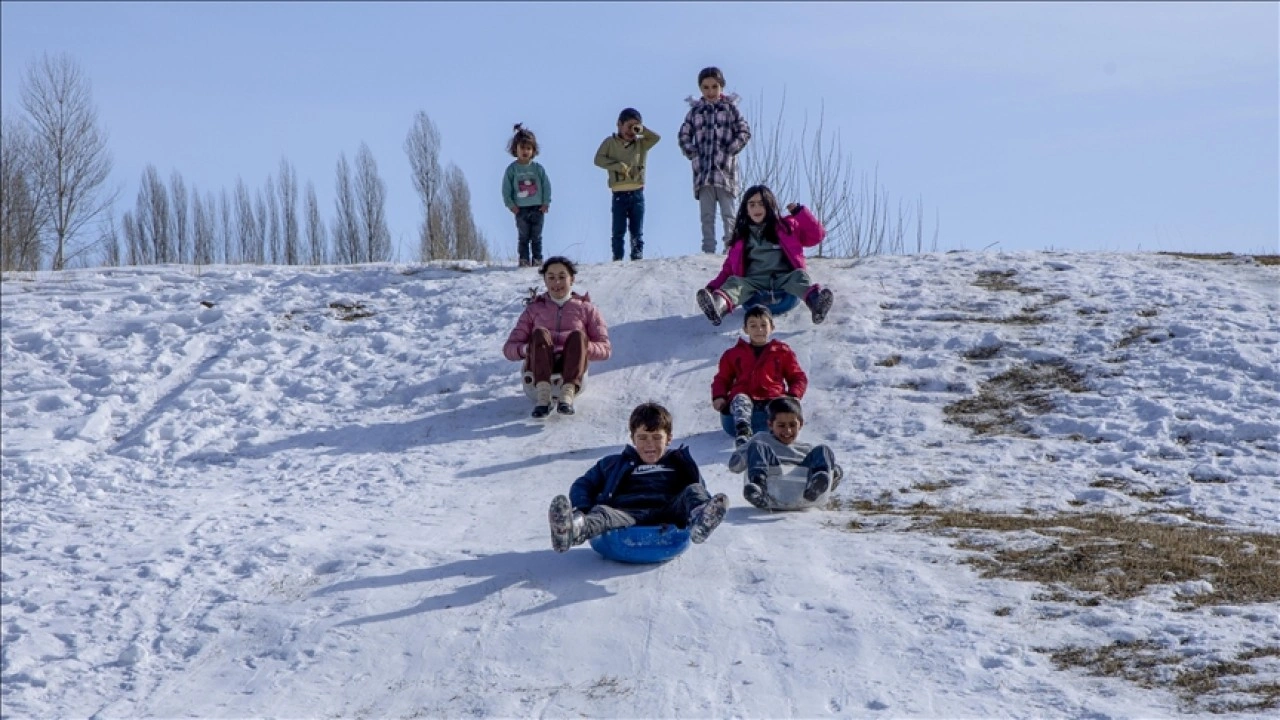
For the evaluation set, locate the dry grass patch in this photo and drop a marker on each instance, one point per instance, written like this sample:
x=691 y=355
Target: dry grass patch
x=1002 y=281
x=351 y=311
x=889 y=361
x=1267 y=259
x=1005 y=401
x=1216 y=687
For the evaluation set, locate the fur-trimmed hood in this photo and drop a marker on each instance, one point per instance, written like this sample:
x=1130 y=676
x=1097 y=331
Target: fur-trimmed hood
x=693 y=100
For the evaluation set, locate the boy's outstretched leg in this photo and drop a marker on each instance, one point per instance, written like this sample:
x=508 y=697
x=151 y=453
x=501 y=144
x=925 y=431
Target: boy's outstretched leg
x=819 y=481
x=706 y=517
x=566 y=525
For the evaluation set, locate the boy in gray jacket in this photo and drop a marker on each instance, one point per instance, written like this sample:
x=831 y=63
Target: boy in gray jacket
x=764 y=455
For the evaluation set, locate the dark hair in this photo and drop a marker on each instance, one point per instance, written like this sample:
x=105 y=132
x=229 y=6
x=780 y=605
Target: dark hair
x=652 y=417
x=742 y=221
x=628 y=114
x=523 y=136
x=778 y=406
x=710 y=72
x=758 y=311
x=559 y=260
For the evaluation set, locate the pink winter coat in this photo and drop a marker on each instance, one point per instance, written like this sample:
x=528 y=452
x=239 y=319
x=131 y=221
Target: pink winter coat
x=795 y=233
x=576 y=314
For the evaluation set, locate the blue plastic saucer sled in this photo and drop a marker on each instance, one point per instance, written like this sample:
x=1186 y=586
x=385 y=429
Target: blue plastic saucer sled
x=642 y=544
x=777 y=301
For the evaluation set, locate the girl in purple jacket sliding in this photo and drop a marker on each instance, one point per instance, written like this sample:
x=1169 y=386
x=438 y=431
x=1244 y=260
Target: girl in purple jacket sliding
x=559 y=332
x=767 y=253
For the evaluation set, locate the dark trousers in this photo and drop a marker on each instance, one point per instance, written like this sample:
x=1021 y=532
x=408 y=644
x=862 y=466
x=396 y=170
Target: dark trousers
x=628 y=214
x=571 y=362
x=603 y=518
x=529 y=233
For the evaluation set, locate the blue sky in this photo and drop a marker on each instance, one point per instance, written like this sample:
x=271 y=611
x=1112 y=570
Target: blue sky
x=1024 y=126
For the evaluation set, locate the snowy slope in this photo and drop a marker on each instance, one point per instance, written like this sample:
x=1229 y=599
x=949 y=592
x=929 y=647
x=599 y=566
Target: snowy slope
x=223 y=499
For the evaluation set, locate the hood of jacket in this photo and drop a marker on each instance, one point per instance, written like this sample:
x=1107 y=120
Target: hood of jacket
x=731 y=98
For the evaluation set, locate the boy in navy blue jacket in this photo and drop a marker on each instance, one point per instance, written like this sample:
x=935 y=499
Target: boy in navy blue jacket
x=643 y=485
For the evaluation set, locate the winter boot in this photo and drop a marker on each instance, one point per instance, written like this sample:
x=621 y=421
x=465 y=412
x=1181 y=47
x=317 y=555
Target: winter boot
x=819 y=481
x=566 y=525
x=713 y=305
x=567 y=393
x=819 y=301
x=542 y=400
x=743 y=434
x=755 y=495
x=706 y=517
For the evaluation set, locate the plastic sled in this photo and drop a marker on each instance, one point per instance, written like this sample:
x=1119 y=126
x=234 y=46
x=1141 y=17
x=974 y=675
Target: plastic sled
x=556 y=382
x=786 y=491
x=642 y=544
x=777 y=301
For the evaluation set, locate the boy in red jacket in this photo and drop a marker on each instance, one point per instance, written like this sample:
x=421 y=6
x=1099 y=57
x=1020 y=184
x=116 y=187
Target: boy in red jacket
x=752 y=373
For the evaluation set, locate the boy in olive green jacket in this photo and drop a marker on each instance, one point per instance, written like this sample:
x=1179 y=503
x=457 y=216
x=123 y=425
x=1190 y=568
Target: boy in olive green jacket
x=623 y=154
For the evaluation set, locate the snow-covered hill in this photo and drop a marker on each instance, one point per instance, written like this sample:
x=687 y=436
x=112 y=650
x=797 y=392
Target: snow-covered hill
x=265 y=492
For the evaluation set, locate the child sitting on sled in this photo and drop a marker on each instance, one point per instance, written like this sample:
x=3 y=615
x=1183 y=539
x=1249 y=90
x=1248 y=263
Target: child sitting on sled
x=753 y=372
x=766 y=252
x=763 y=457
x=643 y=485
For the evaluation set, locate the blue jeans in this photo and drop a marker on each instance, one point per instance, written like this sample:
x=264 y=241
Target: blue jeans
x=628 y=212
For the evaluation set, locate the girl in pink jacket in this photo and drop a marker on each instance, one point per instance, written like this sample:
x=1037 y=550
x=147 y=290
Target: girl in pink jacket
x=559 y=332
x=767 y=253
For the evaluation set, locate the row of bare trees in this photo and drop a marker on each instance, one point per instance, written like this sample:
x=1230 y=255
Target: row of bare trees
x=854 y=208
x=53 y=168
x=54 y=165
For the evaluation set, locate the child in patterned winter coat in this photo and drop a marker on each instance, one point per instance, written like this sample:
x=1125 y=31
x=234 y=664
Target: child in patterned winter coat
x=713 y=133
x=753 y=373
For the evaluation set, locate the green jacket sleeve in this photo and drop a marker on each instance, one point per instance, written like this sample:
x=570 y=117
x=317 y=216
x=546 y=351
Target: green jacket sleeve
x=602 y=157
x=508 y=189
x=649 y=139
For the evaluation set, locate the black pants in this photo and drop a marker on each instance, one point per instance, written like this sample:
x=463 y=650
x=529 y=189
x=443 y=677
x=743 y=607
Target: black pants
x=529 y=234
x=628 y=214
x=603 y=518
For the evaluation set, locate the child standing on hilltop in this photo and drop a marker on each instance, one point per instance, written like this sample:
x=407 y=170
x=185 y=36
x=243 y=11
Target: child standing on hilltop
x=527 y=194
x=713 y=133
x=623 y=154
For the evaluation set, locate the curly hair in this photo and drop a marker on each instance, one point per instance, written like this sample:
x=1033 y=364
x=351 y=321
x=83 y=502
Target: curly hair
x=522 y=136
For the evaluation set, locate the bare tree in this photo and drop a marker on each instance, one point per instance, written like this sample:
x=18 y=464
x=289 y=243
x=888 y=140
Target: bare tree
x=153 y=220
x=71 y=154
x=21 y=213
x=288 y=188
x=422 y=145
x=225 y=232
x=181 y=226
x=855 y=212
x=262 y=224
x=203 y=234
x=468 y=242
x=246 y=226
x=371 y=199
x=347 y=247
x=315 y=228
x=110 y=242
x=134 y=245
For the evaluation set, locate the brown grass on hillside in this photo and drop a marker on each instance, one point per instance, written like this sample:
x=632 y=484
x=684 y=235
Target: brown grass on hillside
x=1004 y=401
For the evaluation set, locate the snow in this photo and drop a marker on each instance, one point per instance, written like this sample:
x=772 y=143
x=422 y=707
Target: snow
x=221 y=499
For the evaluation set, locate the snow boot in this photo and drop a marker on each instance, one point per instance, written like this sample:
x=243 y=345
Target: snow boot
x=743 y=434
x=542 y=401
x=567 y=395
x=713 y=305
x=706 y=517
x=819 y=481
x=566 y=525
x=819 y=301
x=755 y=495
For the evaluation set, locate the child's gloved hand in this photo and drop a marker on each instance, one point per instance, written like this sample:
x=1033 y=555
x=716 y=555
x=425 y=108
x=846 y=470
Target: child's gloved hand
x=791 y=207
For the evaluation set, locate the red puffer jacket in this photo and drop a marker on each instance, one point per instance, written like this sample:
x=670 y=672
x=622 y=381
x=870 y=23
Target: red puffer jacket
x=576 y=314
x=774 y=374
